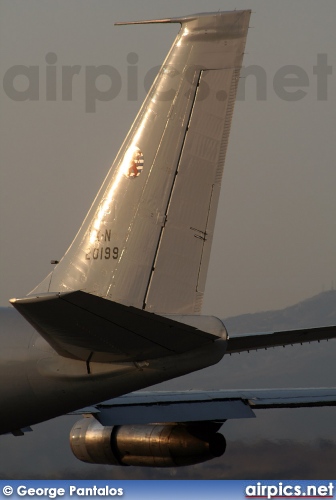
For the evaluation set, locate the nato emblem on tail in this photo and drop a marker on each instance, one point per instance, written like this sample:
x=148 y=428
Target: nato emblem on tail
x=134 y=161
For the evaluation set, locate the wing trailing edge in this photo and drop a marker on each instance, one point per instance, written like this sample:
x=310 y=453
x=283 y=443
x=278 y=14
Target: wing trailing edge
x=201 y=406
x=255 y=342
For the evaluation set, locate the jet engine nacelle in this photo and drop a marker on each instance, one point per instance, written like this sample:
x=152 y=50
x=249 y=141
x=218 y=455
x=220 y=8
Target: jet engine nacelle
x=154 y=445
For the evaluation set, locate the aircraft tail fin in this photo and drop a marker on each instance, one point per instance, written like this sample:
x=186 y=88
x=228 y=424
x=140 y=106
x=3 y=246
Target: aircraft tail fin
x=146 y=240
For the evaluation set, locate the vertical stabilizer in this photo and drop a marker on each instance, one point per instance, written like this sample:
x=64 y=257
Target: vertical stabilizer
x=146 y=240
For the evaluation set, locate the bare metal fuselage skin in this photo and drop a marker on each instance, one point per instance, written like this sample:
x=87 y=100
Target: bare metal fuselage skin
x=37 y=384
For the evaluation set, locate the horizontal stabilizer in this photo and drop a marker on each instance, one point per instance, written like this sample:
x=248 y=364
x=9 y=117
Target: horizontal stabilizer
x=83 y=326
x=192 y=406
x=265 y=340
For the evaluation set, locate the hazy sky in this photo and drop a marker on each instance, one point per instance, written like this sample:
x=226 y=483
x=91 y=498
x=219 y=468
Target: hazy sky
x=275 y=240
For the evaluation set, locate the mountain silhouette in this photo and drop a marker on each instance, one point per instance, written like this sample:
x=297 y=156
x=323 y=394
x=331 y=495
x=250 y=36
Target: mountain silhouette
x=319 y=310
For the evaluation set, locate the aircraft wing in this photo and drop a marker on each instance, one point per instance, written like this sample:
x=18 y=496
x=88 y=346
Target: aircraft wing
x=198 y=406
x=253 y=342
